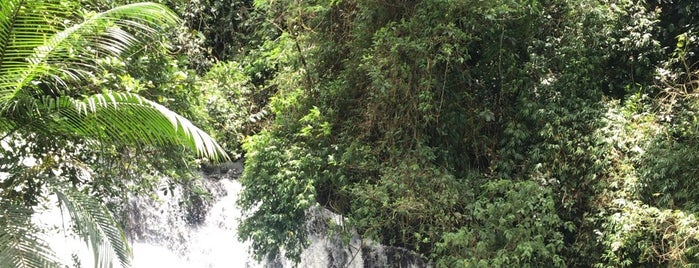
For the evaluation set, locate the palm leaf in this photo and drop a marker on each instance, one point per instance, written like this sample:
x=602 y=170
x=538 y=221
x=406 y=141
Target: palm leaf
x=124 y=118
x=34 y=52
x=6 y=126
x=66 y=54
x=96 y=226
x=29 y=54
x=21 y=246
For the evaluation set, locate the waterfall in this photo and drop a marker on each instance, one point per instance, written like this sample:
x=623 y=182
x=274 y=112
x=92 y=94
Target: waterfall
x=161 y=236
x=159 y=233
x=176 y=243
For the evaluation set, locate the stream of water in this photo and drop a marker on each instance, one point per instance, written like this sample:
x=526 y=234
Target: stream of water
x=161 y=237
x=212 y=244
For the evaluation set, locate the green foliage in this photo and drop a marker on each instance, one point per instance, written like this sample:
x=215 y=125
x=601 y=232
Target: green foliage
x=636 y=228
x=21 y=245
x=668 y=180
x=280 y=175
x=281 y=189
x=659 y=227
x=92 y=220
x=231 y=27
x=481 y=133
x=94 y=223
x=226 y=98
x=666 y=170
x=411 y=204
x=510 y=224
x=286 y=187
x=644 y=236
x=60 y=119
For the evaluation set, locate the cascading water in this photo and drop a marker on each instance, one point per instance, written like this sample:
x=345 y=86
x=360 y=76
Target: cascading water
x=162 y=237
x=159 y=233
x=159 y=237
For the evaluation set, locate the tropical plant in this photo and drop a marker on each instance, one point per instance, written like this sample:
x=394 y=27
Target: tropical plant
x=480 y=133
x=47 y=118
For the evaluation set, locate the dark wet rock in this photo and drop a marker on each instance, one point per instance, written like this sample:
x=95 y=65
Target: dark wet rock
x=328 y=248
x=229 y=170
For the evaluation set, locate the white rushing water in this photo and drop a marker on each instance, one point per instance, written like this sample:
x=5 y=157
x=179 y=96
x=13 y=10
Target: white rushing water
x=212 y=244
x=162 y=237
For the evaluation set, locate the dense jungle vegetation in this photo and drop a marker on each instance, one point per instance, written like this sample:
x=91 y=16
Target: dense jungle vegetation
x=503 y=133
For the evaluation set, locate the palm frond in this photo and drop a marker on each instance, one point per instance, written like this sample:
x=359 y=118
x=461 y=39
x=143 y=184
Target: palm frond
x=96 y=226
x=6 y=126
x=27 y=54
x=125 y=118
x=21 y=246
